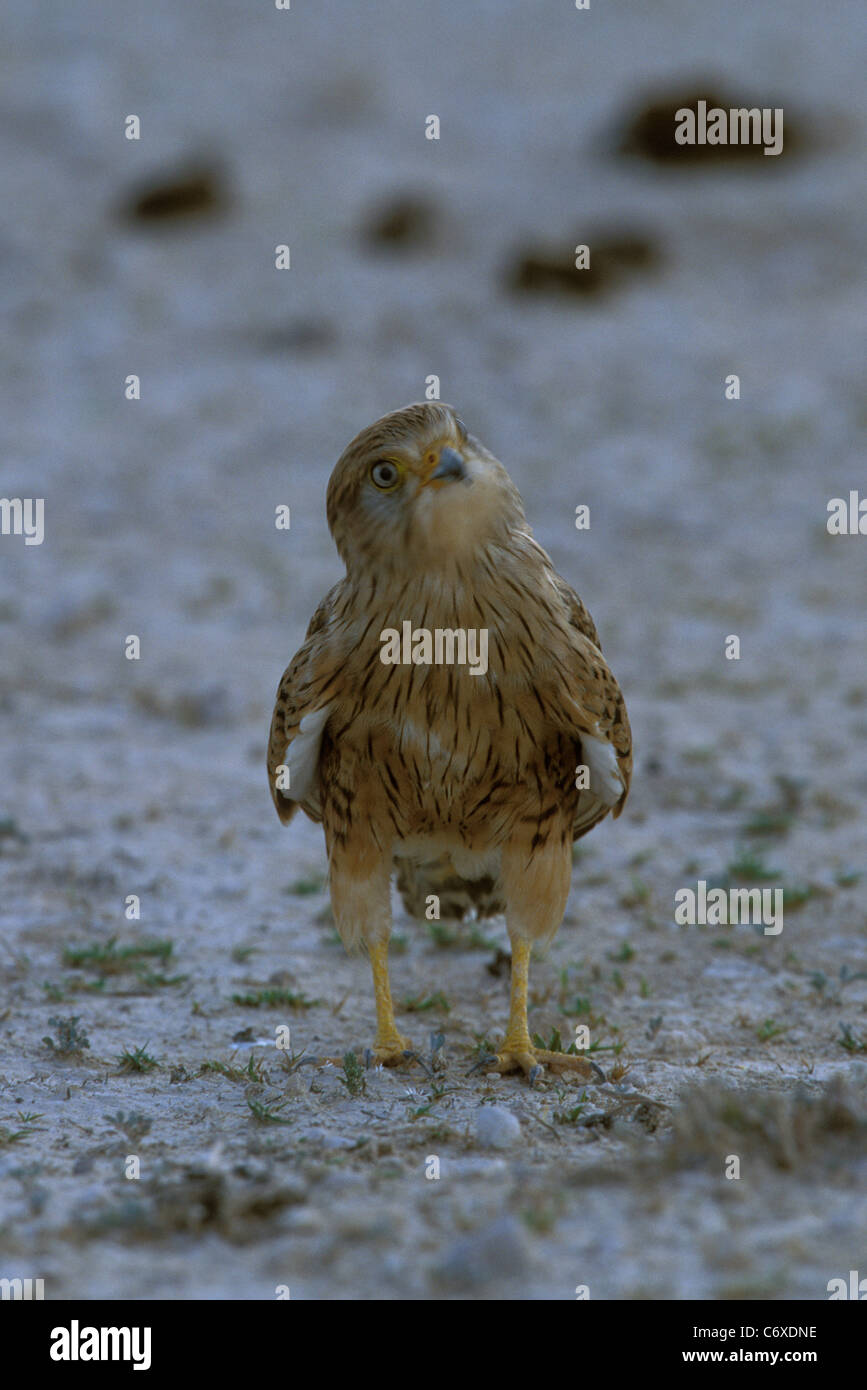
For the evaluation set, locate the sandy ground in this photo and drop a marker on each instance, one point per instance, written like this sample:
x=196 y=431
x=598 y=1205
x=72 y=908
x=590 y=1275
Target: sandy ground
x=146 y=777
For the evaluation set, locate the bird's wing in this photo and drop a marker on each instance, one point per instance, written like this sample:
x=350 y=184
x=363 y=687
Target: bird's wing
x=578 y=615
x=304 y=699
x=598 y=713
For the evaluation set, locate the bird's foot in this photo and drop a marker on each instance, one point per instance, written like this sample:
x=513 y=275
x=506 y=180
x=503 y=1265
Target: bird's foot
x=532 y=1061
x=392 y=1052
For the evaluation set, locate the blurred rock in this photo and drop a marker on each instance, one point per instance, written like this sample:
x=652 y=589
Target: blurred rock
x=302 y=1221
x=498 y=1251
x=360 y=1220
x=190 y=193
x=208 y=707
x=785 y=1131
x=500 y=964
x=403 y=223
x=71 y=616
x=679 y=1042
x=496 y=1128
x=325 y=1138
x=303 y=335
x=648 y=130
x=612 y=255
x=344 y=97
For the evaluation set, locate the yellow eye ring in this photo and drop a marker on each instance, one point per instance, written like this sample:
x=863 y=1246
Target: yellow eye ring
x=385 y=475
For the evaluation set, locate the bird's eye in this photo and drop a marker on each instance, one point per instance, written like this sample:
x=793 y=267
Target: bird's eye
x=385 y=474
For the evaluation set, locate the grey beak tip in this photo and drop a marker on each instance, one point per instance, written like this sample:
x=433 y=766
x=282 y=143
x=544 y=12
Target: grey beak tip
x=451 y=465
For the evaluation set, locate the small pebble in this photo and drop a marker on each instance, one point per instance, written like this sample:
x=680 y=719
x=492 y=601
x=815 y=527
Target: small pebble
x=498 y=1251
x=496 y=1128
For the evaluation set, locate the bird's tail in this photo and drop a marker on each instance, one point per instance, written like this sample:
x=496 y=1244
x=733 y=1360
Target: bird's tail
x=420 y=880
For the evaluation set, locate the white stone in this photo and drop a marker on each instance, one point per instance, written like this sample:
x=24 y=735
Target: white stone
x=496 y=1128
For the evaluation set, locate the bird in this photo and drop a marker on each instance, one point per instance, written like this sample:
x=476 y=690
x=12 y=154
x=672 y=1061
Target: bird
x=468 y=784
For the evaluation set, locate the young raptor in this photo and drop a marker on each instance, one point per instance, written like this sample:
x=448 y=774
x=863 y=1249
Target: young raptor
x=470 y=785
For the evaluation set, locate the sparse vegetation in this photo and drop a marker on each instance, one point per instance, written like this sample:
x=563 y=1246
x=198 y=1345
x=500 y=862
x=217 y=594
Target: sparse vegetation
x=750 y=865
x=306 y=887
x=421 y=1003
x=268 y=1112
x=770 y=1029
x=29 y=1125
x=109 y=959
x=554 y=1044
x=137 y=1060
x=254 y=1072
x=436 y=1092
x=443 y=934
x=353 y=1077
x=849 y=1041
x=623 y=954
x=104 y=960
x=274 y=999
x=70 y=1039
x=571 y=1117
x=135 y=1125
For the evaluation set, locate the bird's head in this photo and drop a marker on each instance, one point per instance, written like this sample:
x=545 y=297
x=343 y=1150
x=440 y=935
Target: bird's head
x=416 y=489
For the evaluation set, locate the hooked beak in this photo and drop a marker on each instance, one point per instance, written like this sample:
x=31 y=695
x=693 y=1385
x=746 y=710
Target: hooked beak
x=450 y=468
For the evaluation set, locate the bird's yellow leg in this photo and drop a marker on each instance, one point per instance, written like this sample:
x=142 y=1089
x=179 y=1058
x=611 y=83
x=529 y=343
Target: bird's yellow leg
x=389 y=1045
x=517 y=1039
x=517 y=1052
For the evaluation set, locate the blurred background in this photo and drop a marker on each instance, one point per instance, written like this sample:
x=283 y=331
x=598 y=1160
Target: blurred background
x=413 y=258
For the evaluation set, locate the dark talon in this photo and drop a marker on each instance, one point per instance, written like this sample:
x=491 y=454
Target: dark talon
x=409 y=1056
x=601 y=1077
x=369 y=1059
x=535 y=1073
x=483 y=1062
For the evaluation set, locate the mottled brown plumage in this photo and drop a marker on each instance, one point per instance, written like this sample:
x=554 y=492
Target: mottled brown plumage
x=466 y=783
